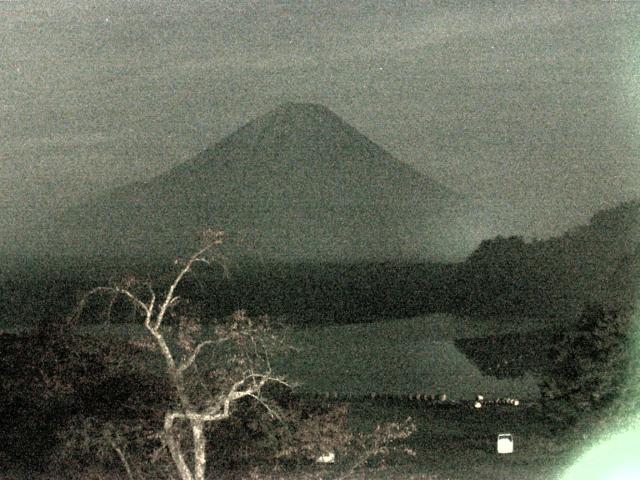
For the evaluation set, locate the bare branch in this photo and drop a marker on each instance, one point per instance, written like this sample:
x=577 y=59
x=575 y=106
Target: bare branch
x=267 y=407
x=194 y=354
x=169 y=297
x=152 y=304
x=123 y=459
x=115 y=290
x=164 y=349
x=222 y=408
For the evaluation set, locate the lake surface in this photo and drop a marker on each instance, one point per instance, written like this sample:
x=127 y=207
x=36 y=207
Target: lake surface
x=404 y=356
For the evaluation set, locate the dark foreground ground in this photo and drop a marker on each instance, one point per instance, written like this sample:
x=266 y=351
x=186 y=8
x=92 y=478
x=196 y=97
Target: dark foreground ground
x=460 y=442
x=451 y=442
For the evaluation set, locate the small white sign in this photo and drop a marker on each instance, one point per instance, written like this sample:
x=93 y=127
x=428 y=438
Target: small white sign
x=505 y=443
x=327 y=458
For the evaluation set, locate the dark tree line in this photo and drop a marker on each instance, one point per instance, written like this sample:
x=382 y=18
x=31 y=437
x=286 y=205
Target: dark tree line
x=503 y=277
x=554 y=277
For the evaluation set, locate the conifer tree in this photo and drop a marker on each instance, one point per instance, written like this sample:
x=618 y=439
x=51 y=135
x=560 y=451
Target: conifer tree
x=589 y=365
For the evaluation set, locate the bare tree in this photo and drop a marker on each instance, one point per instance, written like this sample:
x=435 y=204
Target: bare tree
x=244 y=343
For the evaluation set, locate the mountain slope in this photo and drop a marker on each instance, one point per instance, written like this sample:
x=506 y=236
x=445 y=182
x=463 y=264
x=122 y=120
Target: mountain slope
x=296 y=183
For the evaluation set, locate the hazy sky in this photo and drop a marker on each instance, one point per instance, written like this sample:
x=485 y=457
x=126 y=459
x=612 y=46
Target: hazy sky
x=532 y=105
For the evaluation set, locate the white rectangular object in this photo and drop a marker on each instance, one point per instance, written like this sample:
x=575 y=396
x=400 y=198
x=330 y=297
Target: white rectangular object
x=327 y=458
x=505 y=443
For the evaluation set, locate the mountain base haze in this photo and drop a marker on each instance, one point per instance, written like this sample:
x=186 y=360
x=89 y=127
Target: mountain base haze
x=296 y=184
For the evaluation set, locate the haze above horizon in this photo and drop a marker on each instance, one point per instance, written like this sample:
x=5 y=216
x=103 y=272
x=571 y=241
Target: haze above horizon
x=532 y=108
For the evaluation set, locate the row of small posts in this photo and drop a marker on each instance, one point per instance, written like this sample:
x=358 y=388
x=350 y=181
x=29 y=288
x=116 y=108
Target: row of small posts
x=418 y=397
x=391 y=398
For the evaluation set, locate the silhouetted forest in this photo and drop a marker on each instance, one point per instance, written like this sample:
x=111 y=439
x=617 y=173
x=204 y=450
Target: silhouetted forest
x=597 y=262
x=503 y=276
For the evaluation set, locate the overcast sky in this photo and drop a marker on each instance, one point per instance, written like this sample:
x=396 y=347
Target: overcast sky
x=532 y=105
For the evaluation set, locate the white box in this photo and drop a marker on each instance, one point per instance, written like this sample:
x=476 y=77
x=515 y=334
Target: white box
x=505 y=443
x=327 y=458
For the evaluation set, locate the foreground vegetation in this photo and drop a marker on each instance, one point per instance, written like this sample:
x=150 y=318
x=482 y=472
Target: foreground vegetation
x=61 y=384
x=449 y=443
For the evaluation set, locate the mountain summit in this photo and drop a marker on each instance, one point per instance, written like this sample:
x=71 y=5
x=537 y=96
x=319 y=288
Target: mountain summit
x=297 y=183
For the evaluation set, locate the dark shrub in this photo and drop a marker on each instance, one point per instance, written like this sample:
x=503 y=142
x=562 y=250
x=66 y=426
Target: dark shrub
x=589 y=365
x=48 y=378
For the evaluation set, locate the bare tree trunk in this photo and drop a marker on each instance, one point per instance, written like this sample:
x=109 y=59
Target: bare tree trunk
x=175 y=450
x=199 y=448
x=179 y=384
